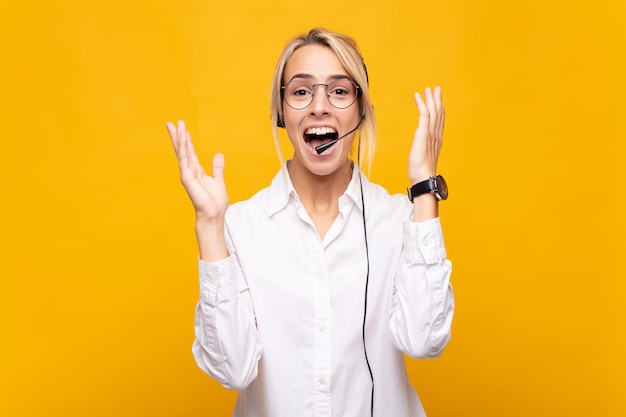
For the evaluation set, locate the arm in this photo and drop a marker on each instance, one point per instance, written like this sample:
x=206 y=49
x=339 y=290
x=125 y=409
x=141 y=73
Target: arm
x=423 y=303
x=227 y=345
x=208 y=194
x=425 y=151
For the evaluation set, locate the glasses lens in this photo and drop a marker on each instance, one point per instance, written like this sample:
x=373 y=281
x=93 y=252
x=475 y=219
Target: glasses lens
x=341 y=93
x=298 y=94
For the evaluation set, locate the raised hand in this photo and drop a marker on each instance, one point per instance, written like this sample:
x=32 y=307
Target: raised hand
x=207 y=193
x=425 y=150
x=428 y=136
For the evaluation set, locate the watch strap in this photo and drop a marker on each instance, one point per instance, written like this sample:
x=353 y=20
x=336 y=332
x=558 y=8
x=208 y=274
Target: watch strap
x=420 y=188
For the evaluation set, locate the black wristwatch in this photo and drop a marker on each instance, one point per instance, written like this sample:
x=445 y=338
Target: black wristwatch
x=436 y=185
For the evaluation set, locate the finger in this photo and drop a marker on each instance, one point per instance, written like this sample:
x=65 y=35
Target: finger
x=182 y=128
x=183 y=151
x=432 y=109
x=191 y=151
x=170 y=128
x=171 y=131
x=437 y=95
x=421 y=107
x=218 y=166
x=442 y=122
x=441 y=113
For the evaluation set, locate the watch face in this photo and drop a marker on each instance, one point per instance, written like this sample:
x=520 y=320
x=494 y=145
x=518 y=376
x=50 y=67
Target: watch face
x=442 y=187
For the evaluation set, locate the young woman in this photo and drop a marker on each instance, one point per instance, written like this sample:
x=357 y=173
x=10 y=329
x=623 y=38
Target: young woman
x=312 y=291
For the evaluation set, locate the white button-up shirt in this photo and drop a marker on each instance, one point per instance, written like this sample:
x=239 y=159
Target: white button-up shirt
x=281 y=318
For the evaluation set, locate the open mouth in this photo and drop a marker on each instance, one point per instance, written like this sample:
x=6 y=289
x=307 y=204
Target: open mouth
x=316 y=136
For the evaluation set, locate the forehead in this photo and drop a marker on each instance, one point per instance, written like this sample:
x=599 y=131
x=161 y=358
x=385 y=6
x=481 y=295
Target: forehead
x=316 y=61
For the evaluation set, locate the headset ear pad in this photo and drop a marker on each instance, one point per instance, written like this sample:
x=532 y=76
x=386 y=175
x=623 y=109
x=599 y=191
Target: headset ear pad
x=359 y=95
x=279 y=120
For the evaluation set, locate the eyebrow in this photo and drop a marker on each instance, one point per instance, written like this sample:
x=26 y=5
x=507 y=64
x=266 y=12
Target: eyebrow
x=309 y=76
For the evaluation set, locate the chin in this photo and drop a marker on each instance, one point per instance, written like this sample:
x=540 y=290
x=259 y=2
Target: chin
x=328 y=166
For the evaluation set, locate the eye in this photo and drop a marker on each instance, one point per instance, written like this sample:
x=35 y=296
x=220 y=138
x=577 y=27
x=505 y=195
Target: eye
x=341 y=90
x=300 y=92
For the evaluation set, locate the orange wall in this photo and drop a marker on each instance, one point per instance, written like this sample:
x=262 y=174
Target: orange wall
x=98 y=272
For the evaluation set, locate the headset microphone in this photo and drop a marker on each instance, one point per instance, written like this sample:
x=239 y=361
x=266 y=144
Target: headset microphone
x=321 y=148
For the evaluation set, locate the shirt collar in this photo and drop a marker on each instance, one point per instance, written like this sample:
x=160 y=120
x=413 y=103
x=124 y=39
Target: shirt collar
x=282 y=189
x=357 y=183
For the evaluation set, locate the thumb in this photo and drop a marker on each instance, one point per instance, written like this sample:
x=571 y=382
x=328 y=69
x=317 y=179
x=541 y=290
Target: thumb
x=218 y=166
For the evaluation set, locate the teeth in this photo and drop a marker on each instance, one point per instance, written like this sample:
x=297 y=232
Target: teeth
x=319 y=130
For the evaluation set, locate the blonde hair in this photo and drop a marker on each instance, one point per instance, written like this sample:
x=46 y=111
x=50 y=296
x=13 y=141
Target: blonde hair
x=347 y=52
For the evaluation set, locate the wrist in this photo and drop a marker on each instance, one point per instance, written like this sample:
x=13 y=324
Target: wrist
x=422 y=176
x=421 y=172
x=211 y=241
x=435 y=186
x=210 y=230
x=425 y=207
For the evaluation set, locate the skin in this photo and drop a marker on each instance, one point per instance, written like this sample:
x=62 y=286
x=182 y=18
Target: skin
x=319 y=179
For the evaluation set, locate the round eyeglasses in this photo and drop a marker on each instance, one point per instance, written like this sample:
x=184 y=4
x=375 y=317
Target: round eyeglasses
x=298 y=94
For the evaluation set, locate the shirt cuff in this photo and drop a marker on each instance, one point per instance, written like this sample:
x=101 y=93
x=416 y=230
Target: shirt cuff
x=423 y=242
x=218 y=280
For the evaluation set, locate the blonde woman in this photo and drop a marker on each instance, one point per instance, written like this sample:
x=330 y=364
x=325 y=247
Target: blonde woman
x=312 y=291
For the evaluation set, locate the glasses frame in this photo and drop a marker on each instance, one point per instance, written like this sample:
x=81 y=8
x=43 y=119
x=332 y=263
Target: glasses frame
x=356 y=96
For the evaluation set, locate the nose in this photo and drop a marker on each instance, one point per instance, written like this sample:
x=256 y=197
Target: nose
x=320 y=104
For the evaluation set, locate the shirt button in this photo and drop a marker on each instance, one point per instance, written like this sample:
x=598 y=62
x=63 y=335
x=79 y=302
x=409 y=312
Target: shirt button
x=322 y=381
x=321 y=328
x=320 y=276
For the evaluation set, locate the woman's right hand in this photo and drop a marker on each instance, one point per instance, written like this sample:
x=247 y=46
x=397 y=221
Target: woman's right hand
x=207 y=193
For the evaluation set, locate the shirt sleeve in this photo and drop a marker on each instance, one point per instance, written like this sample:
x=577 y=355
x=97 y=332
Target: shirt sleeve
x=422 y=302
x=227 y=345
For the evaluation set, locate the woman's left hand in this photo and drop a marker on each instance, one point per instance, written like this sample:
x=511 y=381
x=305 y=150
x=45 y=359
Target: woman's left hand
x=428 y=136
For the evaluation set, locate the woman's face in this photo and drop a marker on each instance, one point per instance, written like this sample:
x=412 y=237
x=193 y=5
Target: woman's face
x=320 y=122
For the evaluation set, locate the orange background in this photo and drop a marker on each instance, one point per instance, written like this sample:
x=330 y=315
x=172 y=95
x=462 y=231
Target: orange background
x=98 y=258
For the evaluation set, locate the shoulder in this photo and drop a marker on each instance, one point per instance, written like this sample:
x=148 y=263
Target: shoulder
x=259 y=202
x=382 y=202
x=265 y=202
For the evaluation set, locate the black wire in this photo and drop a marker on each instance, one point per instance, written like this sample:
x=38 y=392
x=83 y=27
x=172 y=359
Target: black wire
x=367 y=279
